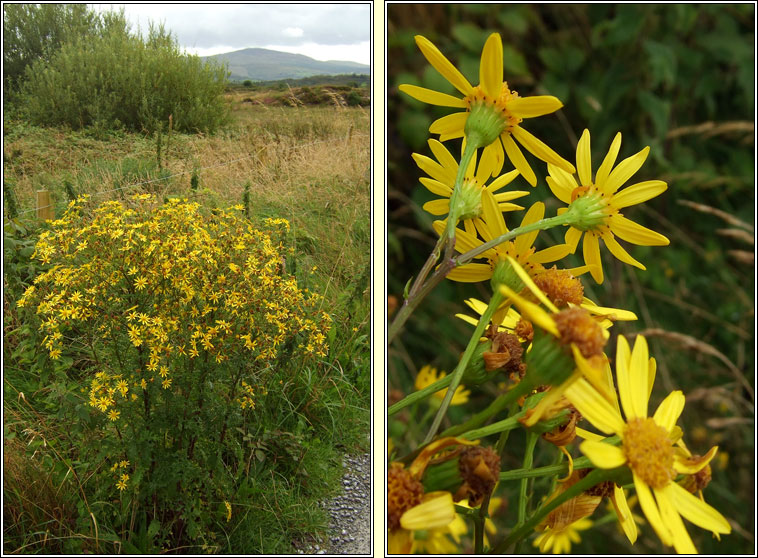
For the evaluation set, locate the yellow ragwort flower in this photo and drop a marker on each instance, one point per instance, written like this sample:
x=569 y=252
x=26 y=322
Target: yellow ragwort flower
x=443 y=173
x=492 y=101
x=520 y=249
x=428 y=375
x=409 y=509
x=558 y=540
x=605 y=194
x=647 y=447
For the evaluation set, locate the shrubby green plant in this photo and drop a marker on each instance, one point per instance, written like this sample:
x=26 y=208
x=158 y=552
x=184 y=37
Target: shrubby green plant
x=36 y=31
x=166 y=329
x=123 y=80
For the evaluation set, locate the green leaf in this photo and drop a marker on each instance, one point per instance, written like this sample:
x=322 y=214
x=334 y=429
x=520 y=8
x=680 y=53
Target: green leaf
x=407 y=288
x=662 y=63
x=657 y=109
x=469 y=36
x=153 y=529
x=514 y=62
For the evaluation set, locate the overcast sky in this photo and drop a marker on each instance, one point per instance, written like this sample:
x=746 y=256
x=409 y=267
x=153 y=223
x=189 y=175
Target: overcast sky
x=321 y=31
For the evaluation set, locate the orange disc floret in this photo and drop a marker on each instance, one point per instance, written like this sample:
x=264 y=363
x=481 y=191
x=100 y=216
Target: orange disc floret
x=576 y=325
x=403 y=493
x=561 y=287
x=648 y=449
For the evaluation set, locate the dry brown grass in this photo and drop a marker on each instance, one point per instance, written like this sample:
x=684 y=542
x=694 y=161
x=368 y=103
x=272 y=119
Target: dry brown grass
x=277 y=149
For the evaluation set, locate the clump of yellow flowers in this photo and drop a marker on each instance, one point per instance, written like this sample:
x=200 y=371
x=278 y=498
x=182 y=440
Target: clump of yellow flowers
x=539 y=346
x=176 y=320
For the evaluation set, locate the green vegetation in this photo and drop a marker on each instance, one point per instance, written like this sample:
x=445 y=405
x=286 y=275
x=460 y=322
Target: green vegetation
x=102 y=74
x=677 y=78
x=34 y=32
x=275 y=462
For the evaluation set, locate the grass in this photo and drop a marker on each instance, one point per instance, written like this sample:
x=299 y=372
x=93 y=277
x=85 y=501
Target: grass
x=308 y=164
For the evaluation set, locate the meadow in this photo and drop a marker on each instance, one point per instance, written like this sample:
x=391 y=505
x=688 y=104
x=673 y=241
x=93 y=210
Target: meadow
x=308 y=164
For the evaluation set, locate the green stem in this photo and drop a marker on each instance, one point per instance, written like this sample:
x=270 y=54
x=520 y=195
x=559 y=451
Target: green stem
x=419 y=395
x=594 y=477
x=579 y=463
x=502 y=426
x=531 y=442
x=500 y=446
x=463 y=363
x=565 y=219
x=479 y=521
x=421 y=287
x=452 y=218
x=502 y=401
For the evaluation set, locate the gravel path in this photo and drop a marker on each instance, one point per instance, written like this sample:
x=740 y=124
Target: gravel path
x=350 y=512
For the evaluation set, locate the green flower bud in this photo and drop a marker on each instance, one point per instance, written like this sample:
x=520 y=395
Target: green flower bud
x=466 y=201
x=484 y=124
x=504 y=274
x=442 y=476
x=589 y=211
x=476 y=371
x=549 y=362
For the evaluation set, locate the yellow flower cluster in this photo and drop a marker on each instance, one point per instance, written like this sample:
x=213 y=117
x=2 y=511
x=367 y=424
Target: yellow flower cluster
x=246 y=400
x=169 y=285
x=121 y=478
x=540 y=329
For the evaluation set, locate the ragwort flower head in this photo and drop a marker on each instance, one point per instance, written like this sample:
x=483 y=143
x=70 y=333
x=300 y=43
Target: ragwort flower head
x=647 y=447
x=492 y=112
x=570 y=348
x=428 y=375
x=521 y=249
x=443 y=173
x=409 y=508
x=603 y=201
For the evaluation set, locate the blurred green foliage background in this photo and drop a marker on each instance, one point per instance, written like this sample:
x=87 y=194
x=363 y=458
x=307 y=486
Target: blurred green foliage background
x=679 y=78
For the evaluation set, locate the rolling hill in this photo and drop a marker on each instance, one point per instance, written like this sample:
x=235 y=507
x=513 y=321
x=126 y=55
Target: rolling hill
x=260 y=64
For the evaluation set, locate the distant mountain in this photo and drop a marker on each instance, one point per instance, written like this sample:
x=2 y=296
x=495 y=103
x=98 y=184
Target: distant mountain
x=260 y=64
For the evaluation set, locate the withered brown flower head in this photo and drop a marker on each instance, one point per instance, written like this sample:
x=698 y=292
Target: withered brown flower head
x=699 y=480
x=524 y=330
x=506 y=353
x=480 y=469
x=564 y=434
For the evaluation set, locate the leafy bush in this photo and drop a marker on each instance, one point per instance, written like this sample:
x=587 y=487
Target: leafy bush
x=35 y=31
x=166 y=330
x=121 y=80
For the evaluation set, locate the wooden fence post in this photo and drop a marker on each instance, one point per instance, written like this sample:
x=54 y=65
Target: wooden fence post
x=44 y=205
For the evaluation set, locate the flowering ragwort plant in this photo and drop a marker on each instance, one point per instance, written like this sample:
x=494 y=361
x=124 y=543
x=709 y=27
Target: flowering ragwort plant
x=542 y=333
x=177 y=321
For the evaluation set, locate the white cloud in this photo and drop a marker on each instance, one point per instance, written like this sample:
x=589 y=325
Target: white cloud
x=343 y=28
x=292 y=32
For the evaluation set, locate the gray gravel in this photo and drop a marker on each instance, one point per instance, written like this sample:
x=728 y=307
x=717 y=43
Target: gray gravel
x=350 y=511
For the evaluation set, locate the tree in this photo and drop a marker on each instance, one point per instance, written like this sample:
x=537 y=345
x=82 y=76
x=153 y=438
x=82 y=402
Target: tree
x=32 y=32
